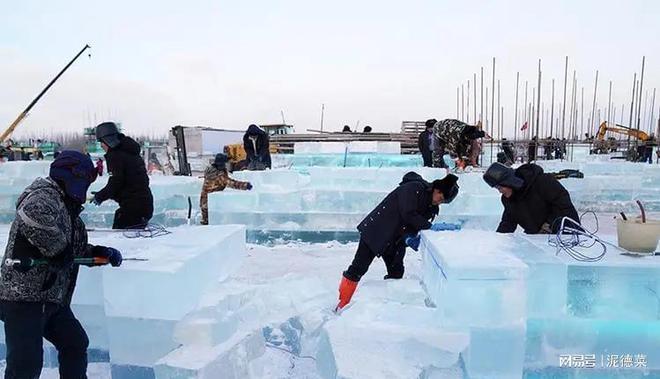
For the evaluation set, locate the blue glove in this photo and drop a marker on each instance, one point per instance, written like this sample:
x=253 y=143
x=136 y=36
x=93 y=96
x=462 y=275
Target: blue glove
x=111 y=254
x=440 y=226
x=249 y=186
x=412 y=241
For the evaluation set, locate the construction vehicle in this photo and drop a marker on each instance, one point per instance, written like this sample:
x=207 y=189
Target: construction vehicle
x=603 y=146
x=7 y=133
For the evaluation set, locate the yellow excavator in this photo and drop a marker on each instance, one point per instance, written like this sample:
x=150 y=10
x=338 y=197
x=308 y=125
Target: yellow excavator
x=603 y=146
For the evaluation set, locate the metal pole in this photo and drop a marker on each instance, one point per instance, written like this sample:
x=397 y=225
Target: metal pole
x=593 y=109
x=526 y=107
x=646 y=102
x=481 y=113
x=632 y=106
x=552 y=108
x=515 y=112
x=499 y=114
x=538 y=106
x=639 y=98
x=652 y=111
x=468 y=102
x=458 y=103
x=570 y=119
x=582 y=113
x=475 y=97
x=492 y=112
x=462 y=102
x=563 y=110
x=322 y=111
x=609 y=104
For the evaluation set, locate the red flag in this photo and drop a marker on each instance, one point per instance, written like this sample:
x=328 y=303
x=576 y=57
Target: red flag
x=524 y=126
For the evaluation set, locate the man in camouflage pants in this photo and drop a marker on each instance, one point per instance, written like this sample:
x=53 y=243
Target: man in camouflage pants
x=456 y=138
x=216 y=178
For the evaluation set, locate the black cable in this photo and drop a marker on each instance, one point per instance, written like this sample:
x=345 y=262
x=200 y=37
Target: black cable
x=146 y=231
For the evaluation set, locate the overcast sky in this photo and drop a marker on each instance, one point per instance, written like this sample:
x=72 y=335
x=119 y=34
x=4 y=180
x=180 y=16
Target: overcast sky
x=229 y=64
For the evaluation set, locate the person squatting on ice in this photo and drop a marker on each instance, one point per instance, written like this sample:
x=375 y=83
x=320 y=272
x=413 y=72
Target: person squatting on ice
x=395 y=224
x=216 y=178
x=35 y=298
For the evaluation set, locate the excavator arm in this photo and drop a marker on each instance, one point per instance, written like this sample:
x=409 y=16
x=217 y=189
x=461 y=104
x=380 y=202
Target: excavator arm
x=620 y=129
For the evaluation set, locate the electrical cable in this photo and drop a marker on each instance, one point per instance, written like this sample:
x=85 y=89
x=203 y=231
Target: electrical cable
x=148 y=231
x=571 y=237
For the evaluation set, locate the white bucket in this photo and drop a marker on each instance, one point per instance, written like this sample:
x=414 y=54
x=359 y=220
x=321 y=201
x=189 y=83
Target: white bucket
x=637 y=236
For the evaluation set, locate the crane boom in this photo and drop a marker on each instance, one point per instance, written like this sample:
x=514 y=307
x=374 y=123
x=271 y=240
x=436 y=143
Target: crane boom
x=7 y=133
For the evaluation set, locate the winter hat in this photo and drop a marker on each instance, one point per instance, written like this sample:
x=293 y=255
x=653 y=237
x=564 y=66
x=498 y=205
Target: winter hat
x=430 y=123
x=448 y=186
x=108 y=133
x=75 y=172
x=220 y=160
x=501 y=175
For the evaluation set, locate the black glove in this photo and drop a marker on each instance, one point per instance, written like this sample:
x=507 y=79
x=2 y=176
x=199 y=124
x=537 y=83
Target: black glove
x=111 y=254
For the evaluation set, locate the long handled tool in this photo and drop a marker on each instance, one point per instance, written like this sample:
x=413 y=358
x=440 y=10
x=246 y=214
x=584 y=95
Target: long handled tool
x=27 y=263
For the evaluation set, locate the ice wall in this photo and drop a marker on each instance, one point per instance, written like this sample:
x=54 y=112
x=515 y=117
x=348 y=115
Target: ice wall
x=131 y=312
x=516 y=291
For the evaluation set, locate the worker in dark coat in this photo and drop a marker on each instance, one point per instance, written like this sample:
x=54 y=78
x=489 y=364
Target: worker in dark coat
x=393 y=224
x=532 y=199
x=257 y=148
x=128 y=184
x=46 y=242
x=425 y=143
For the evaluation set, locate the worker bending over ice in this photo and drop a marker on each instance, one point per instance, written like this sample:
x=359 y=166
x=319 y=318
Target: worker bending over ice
x=216 y=178
x=532 y=199
x=393 y=224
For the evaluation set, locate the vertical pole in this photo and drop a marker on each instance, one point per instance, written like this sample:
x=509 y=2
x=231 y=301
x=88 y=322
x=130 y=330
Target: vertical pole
x=570 y=119
x=515 y=112
x=499 y=114
x=582 y=113
x=609 y=104
x=322 y=111
x=538 y=106
x=646 y=103
x=492 y=113
x=632 y=106
x=481 y=112
x=652 y=112
x=593 y=109
x=468 y=102
x=462 y=102
x=639 y=98
x=526 y=108
x=563 y=110
x=458 y=103
x=475 y=97
x=552 y=108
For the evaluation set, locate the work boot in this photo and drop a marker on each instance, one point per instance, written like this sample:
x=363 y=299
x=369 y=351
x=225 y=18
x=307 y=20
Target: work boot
x=346 y=289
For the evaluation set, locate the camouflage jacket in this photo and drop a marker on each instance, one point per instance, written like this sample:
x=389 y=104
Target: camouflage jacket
x=44 y=227
x=217 y=180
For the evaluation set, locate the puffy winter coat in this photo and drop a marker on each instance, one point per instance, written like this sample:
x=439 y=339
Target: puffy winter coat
x=128 y=184
x=405 y=210
x=541 y=200
x=424 y=145
x=46 y=226
x=262 y=151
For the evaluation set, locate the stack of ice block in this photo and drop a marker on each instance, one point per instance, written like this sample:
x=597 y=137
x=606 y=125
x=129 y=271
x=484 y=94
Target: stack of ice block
x=480 y=286
x=390 y=333
x=130 y=313
x=373 y=147
x=515 y=291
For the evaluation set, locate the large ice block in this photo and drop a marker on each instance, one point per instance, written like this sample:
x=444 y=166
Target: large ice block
x=388 y=333
x=380 y=147
x=478 y=284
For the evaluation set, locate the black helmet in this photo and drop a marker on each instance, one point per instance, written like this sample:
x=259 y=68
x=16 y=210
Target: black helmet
x=108 y=133
x=448 y=186
x=220 y=160
x=501 y=175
